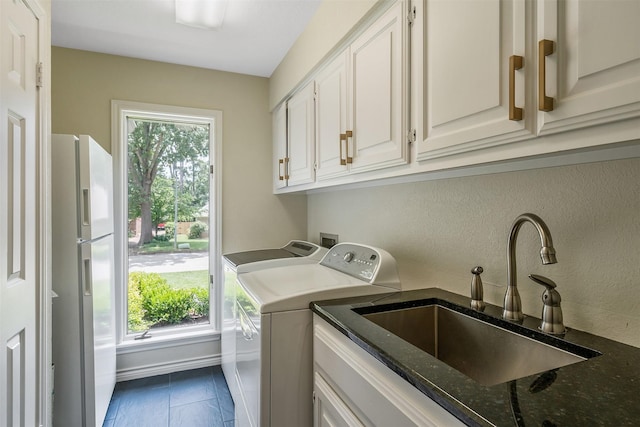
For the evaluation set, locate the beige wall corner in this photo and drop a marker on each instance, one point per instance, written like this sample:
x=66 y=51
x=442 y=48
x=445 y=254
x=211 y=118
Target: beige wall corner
x=332 y=22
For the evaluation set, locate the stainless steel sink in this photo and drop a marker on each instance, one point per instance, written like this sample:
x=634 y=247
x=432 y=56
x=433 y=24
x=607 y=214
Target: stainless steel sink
x=483 y=351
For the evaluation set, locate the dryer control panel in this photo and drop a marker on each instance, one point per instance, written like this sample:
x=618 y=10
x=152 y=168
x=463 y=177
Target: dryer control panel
x=373 y=265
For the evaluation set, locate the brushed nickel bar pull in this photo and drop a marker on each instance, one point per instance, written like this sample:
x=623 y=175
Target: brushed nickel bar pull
x=515 y=63
x=343 y=137
x=545 y=48
x=349 y=135
x=280 y=163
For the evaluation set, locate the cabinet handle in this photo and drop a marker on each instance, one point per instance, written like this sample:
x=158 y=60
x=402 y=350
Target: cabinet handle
x=349 y=135
x=286 y=168
x=343 y=138
x=280 y=164
x=515 y=63
x=545 y=48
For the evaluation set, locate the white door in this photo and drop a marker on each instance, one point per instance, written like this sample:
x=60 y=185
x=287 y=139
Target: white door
x=18 y=220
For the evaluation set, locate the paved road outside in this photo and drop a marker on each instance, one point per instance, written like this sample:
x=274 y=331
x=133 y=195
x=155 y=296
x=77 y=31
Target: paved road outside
x=169 y=262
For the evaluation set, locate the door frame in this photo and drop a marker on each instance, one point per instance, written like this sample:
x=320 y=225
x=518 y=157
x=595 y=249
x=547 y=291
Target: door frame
x=44 y=294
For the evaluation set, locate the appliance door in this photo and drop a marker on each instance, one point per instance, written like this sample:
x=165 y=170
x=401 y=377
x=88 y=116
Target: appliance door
x=95 y=189
x=98 y=327
x=228 y=335
x=249 y=341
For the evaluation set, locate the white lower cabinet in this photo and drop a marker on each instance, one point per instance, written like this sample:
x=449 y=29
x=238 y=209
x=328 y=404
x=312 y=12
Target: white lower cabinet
x=351 y=388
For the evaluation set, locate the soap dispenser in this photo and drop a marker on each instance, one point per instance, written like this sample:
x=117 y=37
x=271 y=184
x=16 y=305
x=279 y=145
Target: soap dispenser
x=477 y=302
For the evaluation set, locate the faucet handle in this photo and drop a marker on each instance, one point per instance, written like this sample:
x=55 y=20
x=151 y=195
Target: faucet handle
x=551 y=310
x=544 y=281
x=477 y=302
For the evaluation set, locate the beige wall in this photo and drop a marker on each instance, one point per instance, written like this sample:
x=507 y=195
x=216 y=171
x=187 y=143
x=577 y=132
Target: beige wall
x=331 y=23
x=84 y=83
x=439 y=230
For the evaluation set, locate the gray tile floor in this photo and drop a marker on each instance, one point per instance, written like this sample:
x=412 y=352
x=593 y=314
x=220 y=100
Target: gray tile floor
x=195 y=398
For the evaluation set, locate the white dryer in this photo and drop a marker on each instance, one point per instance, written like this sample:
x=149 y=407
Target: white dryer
x=294 y=252
x=274 y=355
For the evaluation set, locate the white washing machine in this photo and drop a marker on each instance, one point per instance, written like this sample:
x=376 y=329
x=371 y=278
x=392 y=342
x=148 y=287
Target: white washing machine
x=274 y=354
x=294 y=252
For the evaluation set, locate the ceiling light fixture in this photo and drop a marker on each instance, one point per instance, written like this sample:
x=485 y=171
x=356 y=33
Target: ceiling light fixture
x=206 y=14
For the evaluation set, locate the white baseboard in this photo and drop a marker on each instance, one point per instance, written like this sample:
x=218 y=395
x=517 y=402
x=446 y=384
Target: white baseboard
x=167 y=368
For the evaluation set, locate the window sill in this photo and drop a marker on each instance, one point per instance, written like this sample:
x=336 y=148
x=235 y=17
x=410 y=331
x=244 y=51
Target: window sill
x=167 y=340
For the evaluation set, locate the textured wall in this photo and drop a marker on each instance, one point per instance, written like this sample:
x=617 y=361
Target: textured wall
x=439 y=230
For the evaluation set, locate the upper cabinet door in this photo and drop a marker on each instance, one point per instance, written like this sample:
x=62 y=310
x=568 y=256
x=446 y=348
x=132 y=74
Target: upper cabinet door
x=300 y=122
x=593 y=70
x=331 y=118
x=279 y=118
x=472 y=93
x=378 y=68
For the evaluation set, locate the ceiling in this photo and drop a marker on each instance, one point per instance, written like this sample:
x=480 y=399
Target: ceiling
x=255 y=34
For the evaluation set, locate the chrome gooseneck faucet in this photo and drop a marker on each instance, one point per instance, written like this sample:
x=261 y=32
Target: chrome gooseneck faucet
x=512 y=309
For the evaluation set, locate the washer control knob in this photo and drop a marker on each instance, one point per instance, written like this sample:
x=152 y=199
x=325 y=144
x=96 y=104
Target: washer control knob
x=348 y=257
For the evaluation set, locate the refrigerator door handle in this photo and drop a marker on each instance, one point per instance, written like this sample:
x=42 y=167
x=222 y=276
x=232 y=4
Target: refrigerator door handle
x=87 y=279
x=86 y=207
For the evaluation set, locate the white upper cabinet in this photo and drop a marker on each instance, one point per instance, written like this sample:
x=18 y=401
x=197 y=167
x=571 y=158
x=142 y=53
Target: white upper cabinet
x=471 y=82
x=300 y=137
x=467 y=49
x=593 y=74
x=377 y=134
x=293 y=140
x=361 y=100
x=493 y=72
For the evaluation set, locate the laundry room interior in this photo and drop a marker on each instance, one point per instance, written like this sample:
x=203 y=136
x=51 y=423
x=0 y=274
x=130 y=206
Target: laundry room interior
x=395 y=166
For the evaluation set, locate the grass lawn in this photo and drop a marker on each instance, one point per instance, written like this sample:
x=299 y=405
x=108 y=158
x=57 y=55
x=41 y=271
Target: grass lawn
x=156 y=246
x=187 y=279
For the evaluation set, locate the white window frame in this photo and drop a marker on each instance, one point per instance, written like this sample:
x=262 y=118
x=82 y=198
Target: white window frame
x=120 y=110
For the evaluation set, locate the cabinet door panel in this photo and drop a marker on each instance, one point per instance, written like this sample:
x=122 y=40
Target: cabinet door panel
x=329 y=409
x=378 y=67
x=466 y=48
x=300 y=121
x=331 y=118
x=594 y=73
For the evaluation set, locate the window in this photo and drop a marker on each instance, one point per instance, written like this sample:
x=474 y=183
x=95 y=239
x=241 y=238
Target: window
x=167 y=219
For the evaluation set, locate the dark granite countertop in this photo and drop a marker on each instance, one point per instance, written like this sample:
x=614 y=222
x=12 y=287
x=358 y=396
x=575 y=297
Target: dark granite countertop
x=601 y=391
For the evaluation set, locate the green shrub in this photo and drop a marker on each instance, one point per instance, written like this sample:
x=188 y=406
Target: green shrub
x=136 y=320
x=169 y=230
x=156 y=303
x=196 y=229
x=161 y=238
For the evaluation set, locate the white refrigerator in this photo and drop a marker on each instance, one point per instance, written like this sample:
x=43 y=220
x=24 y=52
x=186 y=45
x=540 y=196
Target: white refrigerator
x=83 y=332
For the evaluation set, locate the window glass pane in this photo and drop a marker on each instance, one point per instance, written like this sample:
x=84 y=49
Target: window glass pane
x=168 y=210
